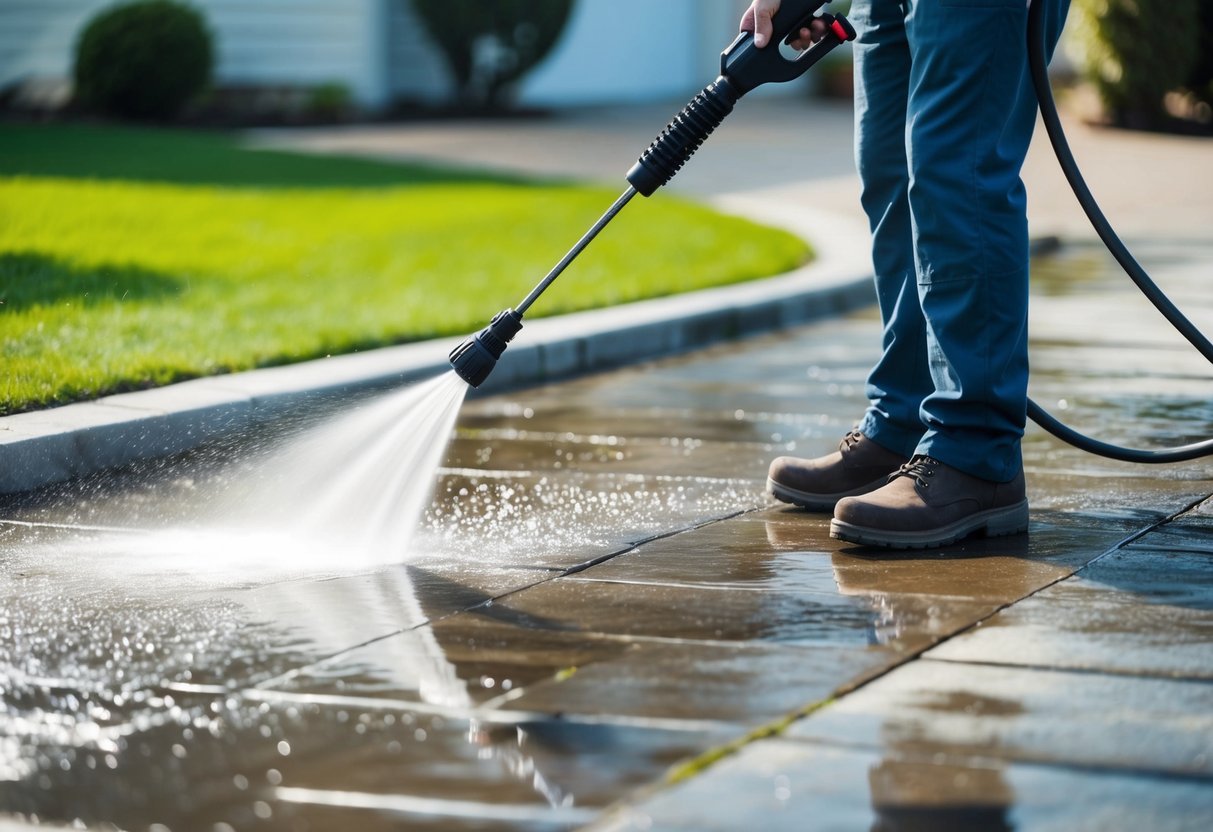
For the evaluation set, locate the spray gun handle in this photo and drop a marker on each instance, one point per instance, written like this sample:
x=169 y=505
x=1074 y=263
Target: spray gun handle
x=743 y=67
x=747 y=66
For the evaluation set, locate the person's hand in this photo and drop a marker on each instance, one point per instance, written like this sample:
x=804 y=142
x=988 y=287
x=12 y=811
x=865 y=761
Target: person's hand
x=757 y=19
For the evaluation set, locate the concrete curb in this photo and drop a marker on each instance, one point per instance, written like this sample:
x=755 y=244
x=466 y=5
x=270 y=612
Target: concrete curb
x=46 y=447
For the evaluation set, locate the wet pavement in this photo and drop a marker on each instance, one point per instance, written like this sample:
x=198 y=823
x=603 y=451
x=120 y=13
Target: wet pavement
x=605 y=623
x=603 y=602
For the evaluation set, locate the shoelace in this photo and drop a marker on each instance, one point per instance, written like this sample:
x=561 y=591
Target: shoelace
x=921 y=468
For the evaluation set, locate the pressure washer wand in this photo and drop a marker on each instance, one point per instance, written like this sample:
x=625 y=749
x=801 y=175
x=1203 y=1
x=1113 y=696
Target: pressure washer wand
x=743 y=66
x=576 y=250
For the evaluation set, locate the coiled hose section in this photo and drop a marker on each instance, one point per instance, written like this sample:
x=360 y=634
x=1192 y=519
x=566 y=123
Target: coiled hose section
x=1048 y=110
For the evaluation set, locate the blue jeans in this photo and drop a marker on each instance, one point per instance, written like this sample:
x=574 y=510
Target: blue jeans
x=944 y=111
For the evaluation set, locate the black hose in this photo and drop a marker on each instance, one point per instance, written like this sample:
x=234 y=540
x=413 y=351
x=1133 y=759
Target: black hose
x=1048 y=111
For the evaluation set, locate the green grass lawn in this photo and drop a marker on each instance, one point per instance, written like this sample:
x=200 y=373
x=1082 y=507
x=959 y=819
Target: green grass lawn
x=138 y=257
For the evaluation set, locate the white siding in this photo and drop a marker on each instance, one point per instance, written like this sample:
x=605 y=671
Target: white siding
x=38 y=37
x=258 y=41
x=417 y=70
x=630 y=50
x=612 y=50
x=300 y=42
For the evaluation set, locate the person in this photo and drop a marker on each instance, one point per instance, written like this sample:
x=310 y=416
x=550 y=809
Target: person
x=944 y=113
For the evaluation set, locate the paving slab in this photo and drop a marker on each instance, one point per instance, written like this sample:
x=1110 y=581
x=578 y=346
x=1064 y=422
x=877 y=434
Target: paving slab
x=732 y=684
x=784 y=785
x=790 y=550
x=1075 y=719
x=264 y=763
x=1144 y=610
x=728 y=617
x=499 y=663
x=478 y=658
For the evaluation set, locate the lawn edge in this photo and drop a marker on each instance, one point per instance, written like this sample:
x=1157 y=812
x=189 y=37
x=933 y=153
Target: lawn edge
x=44 y=447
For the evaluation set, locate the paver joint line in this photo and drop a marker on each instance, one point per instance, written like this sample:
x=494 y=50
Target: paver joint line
x=701 y=763
x=296 y=672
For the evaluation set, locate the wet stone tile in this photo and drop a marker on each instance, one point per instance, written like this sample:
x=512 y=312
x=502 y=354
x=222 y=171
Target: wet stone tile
x=237 y=761
x=314 y=810
x=806 y=371
x=88 y=645
x=1137 y=611
x=784 y=785
x=1120 y=494
x=1024 y=714
x=1191 y=532
x=525 y=451
x=460 y=662
x=696 y=424
x=790 y=550
x=1200 y=517
x=94 y=650
x=745 y=684
x=719 y=614
x=744 y=552
x=562 y=521
x=322 y=617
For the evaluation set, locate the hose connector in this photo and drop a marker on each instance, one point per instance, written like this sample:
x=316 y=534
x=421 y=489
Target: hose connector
x=476 y=357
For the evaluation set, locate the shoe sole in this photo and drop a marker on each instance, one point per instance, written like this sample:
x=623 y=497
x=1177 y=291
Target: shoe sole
x=817 y=502
x=995 y=522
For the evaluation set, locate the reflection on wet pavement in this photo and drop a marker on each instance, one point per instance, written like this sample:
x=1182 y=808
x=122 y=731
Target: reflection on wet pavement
x=601 y=590
x=792 y=786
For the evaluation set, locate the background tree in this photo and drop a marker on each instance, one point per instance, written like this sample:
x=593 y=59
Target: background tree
x=489 y=46
x=1136 y=51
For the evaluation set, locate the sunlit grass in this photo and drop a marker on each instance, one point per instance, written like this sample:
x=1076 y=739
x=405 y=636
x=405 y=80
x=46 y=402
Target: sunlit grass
x=110 y=284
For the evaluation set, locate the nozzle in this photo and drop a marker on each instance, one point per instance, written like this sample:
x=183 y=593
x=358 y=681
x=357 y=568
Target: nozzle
x=476 y=357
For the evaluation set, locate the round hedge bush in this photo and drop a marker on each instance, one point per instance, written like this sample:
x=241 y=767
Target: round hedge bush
x=144 y=59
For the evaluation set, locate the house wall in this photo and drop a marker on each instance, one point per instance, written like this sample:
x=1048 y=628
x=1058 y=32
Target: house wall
x=612 y=51
x=634 y=50
x=38 y=37
x=416 y=69
x=295 y=42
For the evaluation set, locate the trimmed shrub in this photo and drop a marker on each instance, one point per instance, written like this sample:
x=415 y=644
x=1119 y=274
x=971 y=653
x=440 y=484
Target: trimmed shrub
x=1200 y=79
x=490 y=46
x=143 y=60
x=1134 y=63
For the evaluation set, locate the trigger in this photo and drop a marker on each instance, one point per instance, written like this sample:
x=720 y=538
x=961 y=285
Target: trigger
x=804 y=24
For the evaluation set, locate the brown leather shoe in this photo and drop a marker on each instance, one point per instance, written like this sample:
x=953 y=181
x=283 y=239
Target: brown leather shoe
x=857 y=467
x=927 y=504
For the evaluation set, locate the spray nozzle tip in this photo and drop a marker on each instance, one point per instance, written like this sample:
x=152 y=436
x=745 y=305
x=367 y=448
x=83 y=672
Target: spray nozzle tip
x=476 y=357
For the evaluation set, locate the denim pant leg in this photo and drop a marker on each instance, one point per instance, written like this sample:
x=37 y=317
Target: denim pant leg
x=900 y=380
x=972 y=110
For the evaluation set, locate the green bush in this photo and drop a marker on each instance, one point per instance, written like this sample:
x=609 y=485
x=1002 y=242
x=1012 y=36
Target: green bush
x=1136 y=52
x=144 y=59
x=1200 y=79
x=490 y=46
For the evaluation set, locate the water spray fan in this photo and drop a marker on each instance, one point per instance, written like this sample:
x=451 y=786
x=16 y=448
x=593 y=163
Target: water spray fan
x=743 y=66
